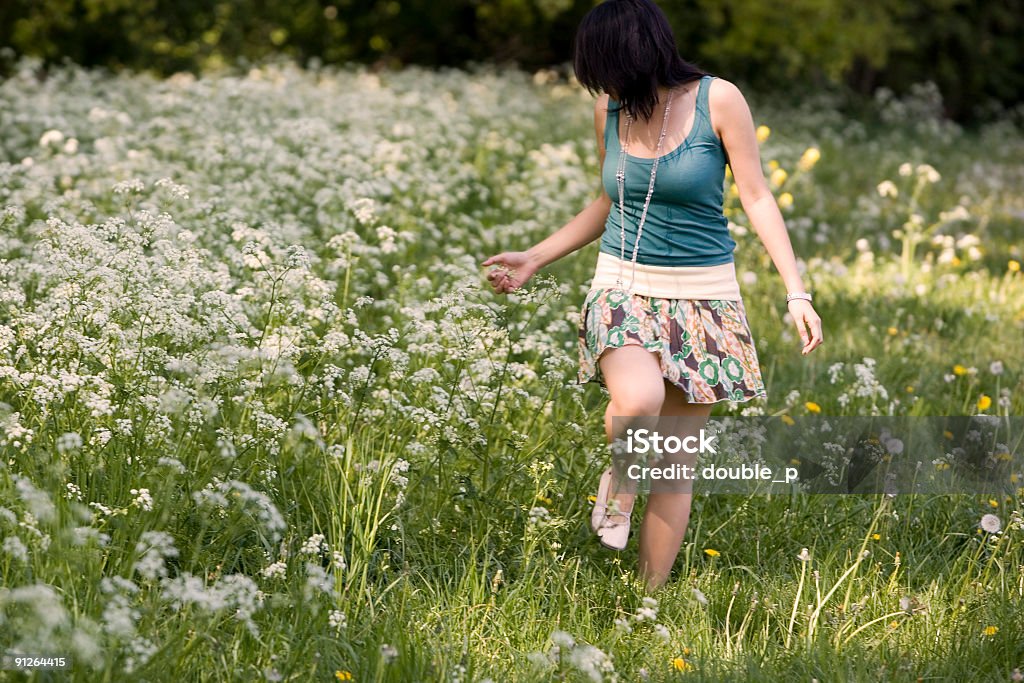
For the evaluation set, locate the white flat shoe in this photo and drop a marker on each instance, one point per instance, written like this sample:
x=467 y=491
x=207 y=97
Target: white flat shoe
x=612 y=534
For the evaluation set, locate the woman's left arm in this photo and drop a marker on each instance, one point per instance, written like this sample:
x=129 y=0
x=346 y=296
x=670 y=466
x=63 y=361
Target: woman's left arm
x=731 y=119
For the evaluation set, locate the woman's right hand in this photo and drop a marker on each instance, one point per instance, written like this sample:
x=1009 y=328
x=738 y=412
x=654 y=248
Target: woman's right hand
x=513 y=269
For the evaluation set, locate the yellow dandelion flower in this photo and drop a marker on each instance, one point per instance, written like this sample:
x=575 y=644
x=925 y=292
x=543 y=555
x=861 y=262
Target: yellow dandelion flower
x=876 y=537
x=959 y=370
x=778 y=177
x=892 y=331
x=812 y=407
x=686 y=651
x=809 y=158
x=993 y=503
x=984 y=402
x=343 y=675
x=680 y=664
x=942 y=466
x=909 y=389
x=948 y=434
x=990 y=631
x=772 y=164
x=1013 y=266
x=711 y=552
x=893 y=623
x=788 y=420
x=785 y=200
x=955 y=261
x=592 y=498
x=763 y=132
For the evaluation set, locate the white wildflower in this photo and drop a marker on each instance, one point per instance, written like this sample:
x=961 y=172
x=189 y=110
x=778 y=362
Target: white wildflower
x=15 y=548
x=128 y=186
x=314 y=545
x=68 y=441
x=887 y=188
x=338 y=560
x=337 y=619
x=51 y=137
x=142 y=499
x=176 y=190
x=929 y=173
x=277 y=570
x=990 y=523
x=388 y=653
x=153 y=548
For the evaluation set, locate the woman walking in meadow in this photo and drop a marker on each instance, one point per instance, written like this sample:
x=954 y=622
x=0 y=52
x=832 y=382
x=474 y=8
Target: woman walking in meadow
x=663 y=326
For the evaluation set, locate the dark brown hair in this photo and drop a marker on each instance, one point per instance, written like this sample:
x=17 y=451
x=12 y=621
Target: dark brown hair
x=627 y=49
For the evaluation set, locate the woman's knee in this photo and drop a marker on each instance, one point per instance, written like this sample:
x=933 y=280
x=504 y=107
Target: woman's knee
x=638 y=402
x=634 y=379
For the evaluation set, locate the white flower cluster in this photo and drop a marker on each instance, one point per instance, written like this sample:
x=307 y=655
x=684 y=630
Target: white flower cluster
x=314 y=545
x=865 y=390
x=142 y=499
x=244 y=499
x=234 y=593
x=589 y=660
x=153 y=548
x=337 y=619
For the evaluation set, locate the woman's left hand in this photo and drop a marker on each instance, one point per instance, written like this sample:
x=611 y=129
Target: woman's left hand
x=806 y=318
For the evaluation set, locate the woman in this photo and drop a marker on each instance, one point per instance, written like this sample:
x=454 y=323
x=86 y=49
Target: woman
x=663 y=326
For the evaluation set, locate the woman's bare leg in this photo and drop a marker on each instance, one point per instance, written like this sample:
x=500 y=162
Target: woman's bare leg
x=668 y=512
x=636 y=385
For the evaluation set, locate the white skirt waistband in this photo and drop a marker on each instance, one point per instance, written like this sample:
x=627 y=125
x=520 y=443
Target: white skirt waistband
x=669 y=282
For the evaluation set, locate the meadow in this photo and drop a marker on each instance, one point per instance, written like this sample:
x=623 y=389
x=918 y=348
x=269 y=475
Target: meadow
x=264 y=419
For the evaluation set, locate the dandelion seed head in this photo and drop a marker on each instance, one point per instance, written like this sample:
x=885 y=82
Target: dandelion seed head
x=990 y=523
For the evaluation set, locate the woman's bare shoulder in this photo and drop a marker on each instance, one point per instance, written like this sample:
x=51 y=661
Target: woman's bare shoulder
x=724 y=92
x=726 y=103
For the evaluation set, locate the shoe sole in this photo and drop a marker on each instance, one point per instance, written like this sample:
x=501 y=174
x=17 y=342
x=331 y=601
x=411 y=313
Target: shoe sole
x=610 y=547
x=601 y=486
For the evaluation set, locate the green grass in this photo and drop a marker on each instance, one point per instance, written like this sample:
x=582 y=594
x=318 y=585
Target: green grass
x=370 y=388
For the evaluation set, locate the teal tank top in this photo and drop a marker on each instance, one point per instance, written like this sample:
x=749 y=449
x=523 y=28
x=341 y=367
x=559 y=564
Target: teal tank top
x=685 y=225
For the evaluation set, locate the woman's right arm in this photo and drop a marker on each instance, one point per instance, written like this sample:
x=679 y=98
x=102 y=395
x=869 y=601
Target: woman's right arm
x=586 y=227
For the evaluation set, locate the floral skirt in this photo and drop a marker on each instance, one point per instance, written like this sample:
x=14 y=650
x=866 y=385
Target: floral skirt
x=704 y=347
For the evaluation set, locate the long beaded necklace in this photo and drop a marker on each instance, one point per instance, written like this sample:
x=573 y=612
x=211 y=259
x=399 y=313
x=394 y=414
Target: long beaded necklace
x=620 y=176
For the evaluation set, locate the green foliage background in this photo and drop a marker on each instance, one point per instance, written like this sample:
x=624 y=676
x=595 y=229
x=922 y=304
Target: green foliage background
x=970 y=48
